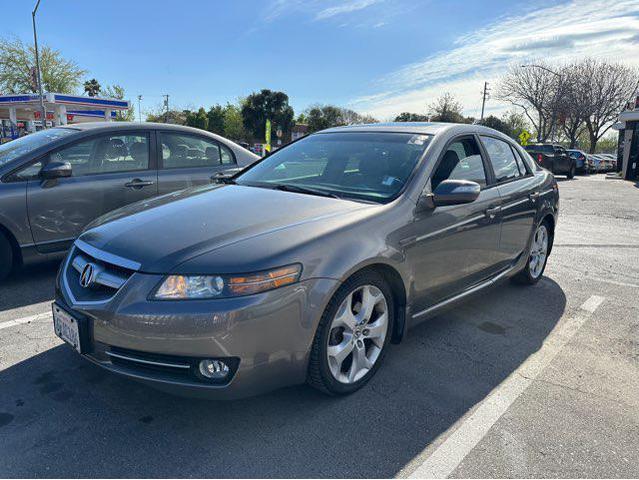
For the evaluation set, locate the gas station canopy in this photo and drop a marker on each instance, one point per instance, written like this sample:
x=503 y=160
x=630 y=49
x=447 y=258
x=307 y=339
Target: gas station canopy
x=24 y=110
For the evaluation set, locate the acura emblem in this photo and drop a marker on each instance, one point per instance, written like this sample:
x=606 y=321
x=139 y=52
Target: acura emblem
x=86 y=277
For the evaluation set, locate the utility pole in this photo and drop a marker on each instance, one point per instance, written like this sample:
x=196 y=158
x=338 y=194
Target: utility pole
x=35 y=41
x=140 y=107
x=483 y=101
x=166 y=104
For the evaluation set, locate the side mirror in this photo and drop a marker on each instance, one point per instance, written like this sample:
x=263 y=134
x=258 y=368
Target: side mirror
x=54 y=170
x=455 y=192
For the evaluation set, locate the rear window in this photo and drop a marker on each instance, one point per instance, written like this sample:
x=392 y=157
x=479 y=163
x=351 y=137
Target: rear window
x=539 y=148
x=24 y=145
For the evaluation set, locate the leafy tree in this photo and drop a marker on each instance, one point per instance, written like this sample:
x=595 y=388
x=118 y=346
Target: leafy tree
x=301 y=119
x=198 y=119
x=17 y=72
x=516 y=122
x=411 y=117
x=499 y=125
x=215 y=121
x=160 y=115
x=92 y=87
x=322 y=117
x=263 y=105
x=447 y=109
x=117 y=91
x=319 y=117
x=233 y=125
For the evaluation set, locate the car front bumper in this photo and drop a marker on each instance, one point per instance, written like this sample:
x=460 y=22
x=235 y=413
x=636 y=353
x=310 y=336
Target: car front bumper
x=264 y=338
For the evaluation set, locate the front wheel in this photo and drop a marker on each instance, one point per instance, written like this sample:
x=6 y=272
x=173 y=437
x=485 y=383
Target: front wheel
x=351 y=338
x=537 y=257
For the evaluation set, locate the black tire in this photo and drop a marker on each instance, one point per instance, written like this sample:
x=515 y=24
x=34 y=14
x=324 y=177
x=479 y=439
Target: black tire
x=571 y=172
x=525 y=276
x=6 y=257
x=319 y=374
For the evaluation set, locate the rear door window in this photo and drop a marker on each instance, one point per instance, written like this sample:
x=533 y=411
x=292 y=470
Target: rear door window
x=502 y=158
x=188 y=151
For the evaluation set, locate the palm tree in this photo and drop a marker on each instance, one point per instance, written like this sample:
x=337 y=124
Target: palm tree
x=92 y=87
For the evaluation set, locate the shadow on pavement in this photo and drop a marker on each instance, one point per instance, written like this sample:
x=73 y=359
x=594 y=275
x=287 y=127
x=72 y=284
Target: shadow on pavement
x=63 y=417
x=32 y=284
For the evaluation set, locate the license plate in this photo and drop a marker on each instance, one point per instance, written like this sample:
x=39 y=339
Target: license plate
x=66 y=327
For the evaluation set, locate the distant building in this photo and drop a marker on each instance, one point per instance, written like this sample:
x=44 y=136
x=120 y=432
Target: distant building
x=628 y=127
x=22 y=113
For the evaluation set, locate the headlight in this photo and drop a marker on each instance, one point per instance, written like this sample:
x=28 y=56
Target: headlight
x=186 y=287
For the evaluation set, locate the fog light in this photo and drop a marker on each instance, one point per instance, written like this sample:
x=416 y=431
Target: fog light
x=214 y=369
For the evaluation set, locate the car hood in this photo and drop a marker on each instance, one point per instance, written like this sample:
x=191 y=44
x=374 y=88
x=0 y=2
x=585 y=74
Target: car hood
x=162 y=233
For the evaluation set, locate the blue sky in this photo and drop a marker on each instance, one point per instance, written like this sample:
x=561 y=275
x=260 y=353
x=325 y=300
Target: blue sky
x=376 y=56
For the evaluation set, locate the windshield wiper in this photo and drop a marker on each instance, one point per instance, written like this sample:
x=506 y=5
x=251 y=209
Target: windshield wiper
x=287 y=187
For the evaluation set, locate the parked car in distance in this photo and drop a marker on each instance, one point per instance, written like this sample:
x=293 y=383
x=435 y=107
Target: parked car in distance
x=595 y=165
x=553 y=158
x=304 y=267
x=580 y=160
x=610 y=161
x=54 y=182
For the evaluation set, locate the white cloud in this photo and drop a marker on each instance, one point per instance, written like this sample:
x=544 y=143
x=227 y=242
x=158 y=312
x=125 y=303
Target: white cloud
x=344 y=7
x=317 y=8
x=595 y=28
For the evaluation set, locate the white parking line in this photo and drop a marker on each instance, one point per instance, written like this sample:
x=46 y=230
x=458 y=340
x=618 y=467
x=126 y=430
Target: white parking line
x=447 y=456
x=20 y=321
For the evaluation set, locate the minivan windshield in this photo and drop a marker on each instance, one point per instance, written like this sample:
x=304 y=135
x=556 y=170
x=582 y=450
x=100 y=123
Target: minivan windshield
x=27 y=144
x=359 y=165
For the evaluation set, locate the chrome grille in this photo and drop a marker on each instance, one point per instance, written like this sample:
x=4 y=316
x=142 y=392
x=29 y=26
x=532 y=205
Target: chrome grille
x=94 y=276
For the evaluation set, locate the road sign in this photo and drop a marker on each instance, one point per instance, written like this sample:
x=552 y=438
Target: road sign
x=524 y=136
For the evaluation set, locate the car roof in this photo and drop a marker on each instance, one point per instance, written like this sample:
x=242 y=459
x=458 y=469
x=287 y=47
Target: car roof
x=427 y=128
x=129 y=125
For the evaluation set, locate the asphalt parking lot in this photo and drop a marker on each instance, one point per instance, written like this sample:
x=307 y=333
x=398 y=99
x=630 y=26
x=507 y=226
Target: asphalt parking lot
x=522 y=381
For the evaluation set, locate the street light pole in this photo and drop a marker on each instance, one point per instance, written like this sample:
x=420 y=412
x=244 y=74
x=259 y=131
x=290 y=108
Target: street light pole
x=554 y=108
x=140 y=107
x=37 y=55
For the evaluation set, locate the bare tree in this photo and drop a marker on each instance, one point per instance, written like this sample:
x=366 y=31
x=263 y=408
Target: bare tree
x=607 y=88
x=447 y=109
x=572 y=105
x=535 y=90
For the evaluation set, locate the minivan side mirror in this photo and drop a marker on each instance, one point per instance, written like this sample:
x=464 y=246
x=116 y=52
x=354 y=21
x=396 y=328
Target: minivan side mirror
x=53 y=170
x=455 y=192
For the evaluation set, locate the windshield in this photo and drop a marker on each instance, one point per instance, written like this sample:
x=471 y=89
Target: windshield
x=12 y=150
x=367 y=166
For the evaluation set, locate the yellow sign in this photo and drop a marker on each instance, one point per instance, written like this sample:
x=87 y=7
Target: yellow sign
x=524 y=136
x=267 y=147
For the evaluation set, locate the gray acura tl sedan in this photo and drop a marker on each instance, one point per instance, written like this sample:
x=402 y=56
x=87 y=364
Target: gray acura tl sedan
x=305 y=266
x=54 y=182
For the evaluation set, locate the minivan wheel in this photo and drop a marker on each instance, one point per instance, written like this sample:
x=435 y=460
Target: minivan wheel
x=572 y=171
x=6 y=257
x=537 y=257
x=352 y=335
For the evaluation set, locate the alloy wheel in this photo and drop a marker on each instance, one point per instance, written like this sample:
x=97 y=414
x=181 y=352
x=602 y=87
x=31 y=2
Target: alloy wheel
x=539 y=251
x=357 y=334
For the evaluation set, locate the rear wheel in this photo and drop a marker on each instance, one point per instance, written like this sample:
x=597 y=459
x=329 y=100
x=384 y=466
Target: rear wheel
x=6 y=257
x=351 y=339
x=537 y=257
x=572 y=171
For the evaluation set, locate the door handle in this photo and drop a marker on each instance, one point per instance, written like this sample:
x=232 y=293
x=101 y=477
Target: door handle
x=138 y=183
x=492 y=212
x=534 y=196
